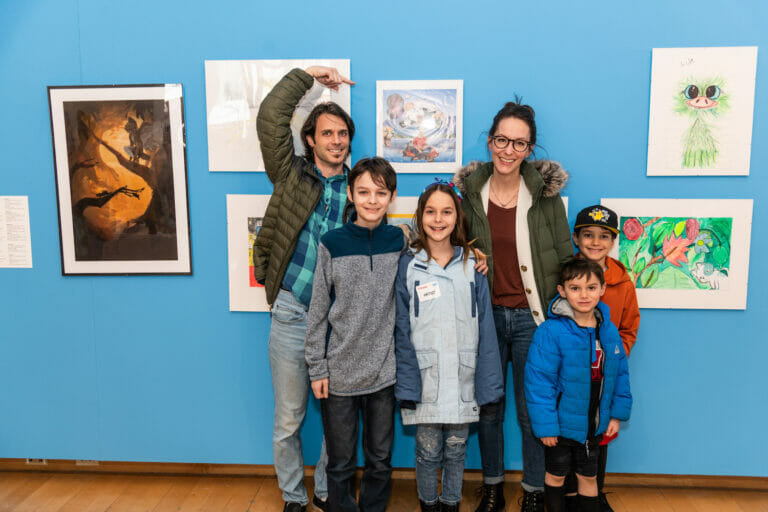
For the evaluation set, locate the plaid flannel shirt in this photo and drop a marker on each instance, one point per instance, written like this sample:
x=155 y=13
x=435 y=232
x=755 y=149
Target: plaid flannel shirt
x=327 y=215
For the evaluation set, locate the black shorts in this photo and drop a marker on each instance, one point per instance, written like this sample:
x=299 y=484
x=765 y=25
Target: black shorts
x=570 y=455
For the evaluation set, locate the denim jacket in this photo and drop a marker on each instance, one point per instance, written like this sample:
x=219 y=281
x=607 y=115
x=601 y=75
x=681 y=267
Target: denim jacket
x=445 y=341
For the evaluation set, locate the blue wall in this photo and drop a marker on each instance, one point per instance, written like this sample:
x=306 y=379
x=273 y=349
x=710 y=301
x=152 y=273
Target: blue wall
x=158 y=369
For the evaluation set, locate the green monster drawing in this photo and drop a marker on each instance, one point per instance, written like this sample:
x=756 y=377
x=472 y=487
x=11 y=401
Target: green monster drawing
x=703 y=100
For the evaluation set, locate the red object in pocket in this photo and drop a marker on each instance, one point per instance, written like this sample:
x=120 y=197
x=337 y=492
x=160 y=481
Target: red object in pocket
x=608 y=439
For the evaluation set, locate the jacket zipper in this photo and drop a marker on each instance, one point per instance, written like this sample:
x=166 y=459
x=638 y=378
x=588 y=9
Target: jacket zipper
x=370 y=251
x=596 y=419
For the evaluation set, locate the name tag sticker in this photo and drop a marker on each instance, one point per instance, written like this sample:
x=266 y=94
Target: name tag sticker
x=428 y=291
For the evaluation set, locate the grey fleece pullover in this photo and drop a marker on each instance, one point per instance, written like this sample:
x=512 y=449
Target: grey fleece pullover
x=350 y=328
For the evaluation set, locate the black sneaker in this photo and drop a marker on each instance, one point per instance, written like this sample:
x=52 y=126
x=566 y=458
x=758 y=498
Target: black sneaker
x=604 y=505
x=319 y=504
x=531 y=501
x=493 y=498
x=294 y=507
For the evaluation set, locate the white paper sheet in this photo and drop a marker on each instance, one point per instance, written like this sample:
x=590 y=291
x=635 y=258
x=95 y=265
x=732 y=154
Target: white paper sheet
x=15 y=239
x=702 y=101
x=234 y=90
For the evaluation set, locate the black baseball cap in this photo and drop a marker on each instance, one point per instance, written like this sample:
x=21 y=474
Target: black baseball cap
x=598 y=215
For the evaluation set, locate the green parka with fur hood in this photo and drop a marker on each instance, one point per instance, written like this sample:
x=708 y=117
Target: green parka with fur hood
x=543 y=235
x=297 y=188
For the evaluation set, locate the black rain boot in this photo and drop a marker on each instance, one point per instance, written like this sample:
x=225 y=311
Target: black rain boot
x=589 y=503
x=493 y=498
x=554 y=497
x=434 y=507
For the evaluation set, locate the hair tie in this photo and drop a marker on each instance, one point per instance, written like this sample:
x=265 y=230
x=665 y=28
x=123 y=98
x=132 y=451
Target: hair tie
x=449 y=184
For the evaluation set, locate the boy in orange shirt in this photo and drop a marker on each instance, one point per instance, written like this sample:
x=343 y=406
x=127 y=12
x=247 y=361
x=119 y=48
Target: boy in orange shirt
x=594 y=234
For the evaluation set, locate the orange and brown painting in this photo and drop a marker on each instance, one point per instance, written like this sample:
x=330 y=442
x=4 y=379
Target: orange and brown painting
x=121 y=180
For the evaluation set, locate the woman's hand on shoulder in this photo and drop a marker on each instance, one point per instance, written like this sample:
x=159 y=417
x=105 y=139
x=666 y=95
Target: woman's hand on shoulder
x=482 y=261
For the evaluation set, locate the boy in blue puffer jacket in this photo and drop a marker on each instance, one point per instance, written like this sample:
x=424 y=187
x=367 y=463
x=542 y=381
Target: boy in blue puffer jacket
x=576 y=383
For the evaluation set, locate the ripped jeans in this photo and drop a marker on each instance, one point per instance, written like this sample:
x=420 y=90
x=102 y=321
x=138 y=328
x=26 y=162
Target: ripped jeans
x=440 y=445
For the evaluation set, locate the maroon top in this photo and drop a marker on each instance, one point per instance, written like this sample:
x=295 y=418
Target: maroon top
x=508 y=289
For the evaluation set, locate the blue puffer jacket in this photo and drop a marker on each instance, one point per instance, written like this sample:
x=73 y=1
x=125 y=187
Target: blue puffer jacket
x=558 y=374
x=445 y=344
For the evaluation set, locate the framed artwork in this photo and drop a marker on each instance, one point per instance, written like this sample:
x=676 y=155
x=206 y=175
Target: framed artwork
x=234 y=90
x=702 y=102
x=419 y=124
x=121 y=179
x=244 y=217
x=685 y=253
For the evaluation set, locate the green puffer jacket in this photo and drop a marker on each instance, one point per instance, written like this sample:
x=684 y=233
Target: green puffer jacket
x=546 y=225
x=297 y=189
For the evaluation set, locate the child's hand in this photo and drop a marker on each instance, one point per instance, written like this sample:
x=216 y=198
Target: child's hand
x=549 y=441
x=613 y=427
x=320 y=388
x=482 y=261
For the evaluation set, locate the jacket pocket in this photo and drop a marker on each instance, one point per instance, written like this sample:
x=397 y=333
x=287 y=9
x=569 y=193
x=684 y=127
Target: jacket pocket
x=467 y=362
x=430 y=378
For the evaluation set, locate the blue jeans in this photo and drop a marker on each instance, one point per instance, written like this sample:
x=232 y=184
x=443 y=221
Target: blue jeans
x=514 y=328
x=290 y=382
x=440 y=445
x=340 y=421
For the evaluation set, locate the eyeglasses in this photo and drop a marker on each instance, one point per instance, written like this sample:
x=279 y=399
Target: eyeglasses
x=518 y=145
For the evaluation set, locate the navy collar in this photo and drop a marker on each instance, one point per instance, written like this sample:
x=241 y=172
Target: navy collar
x=361 y=232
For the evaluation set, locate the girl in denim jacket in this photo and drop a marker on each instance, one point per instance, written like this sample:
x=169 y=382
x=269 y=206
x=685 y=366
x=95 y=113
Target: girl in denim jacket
x=447 y=355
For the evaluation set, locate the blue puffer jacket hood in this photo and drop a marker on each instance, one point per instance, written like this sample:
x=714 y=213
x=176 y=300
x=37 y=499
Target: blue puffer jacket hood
x=558 y=376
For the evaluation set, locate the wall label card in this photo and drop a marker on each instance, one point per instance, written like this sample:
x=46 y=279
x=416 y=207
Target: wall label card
x=15 y=239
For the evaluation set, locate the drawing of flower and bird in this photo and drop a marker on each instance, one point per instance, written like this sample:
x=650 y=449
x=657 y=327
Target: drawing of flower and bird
x=676 y=253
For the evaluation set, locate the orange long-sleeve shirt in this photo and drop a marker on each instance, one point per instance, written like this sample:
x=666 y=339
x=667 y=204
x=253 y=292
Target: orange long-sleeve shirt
x=621 y=298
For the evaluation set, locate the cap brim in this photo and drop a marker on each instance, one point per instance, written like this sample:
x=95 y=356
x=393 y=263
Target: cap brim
x=609 y=228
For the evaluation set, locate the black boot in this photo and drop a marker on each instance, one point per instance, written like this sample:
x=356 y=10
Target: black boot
x=572 y=503
x=604 y=505
x=532 y=501
x=493 y=498
x=589 y=503
x=554 y=498
x=434 y=507
x=449 y=508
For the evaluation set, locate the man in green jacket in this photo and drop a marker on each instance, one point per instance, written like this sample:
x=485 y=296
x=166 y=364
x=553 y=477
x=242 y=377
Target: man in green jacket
x=310 y=193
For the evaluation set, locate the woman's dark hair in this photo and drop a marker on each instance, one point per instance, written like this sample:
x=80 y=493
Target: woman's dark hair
x=459 y=233
x=519 y=111
x=380 y=170
x=310 y=124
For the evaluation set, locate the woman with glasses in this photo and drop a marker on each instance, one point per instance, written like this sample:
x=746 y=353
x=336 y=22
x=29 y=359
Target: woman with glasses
x=515 y=213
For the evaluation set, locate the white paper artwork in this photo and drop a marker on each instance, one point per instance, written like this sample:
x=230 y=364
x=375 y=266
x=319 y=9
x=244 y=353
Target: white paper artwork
x=702 y=101
x=685 y=253
x=234 y=90
x=419 y=124
x=15 y=241
x=401 y=210
x=244 y=217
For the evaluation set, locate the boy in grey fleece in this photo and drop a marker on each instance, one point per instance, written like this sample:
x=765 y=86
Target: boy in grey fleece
x=350 y=338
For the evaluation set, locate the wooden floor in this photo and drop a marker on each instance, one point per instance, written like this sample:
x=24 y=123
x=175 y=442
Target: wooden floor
x=77 y=492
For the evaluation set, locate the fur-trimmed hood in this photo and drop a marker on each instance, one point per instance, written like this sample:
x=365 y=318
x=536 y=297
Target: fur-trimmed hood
x=552 y=173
